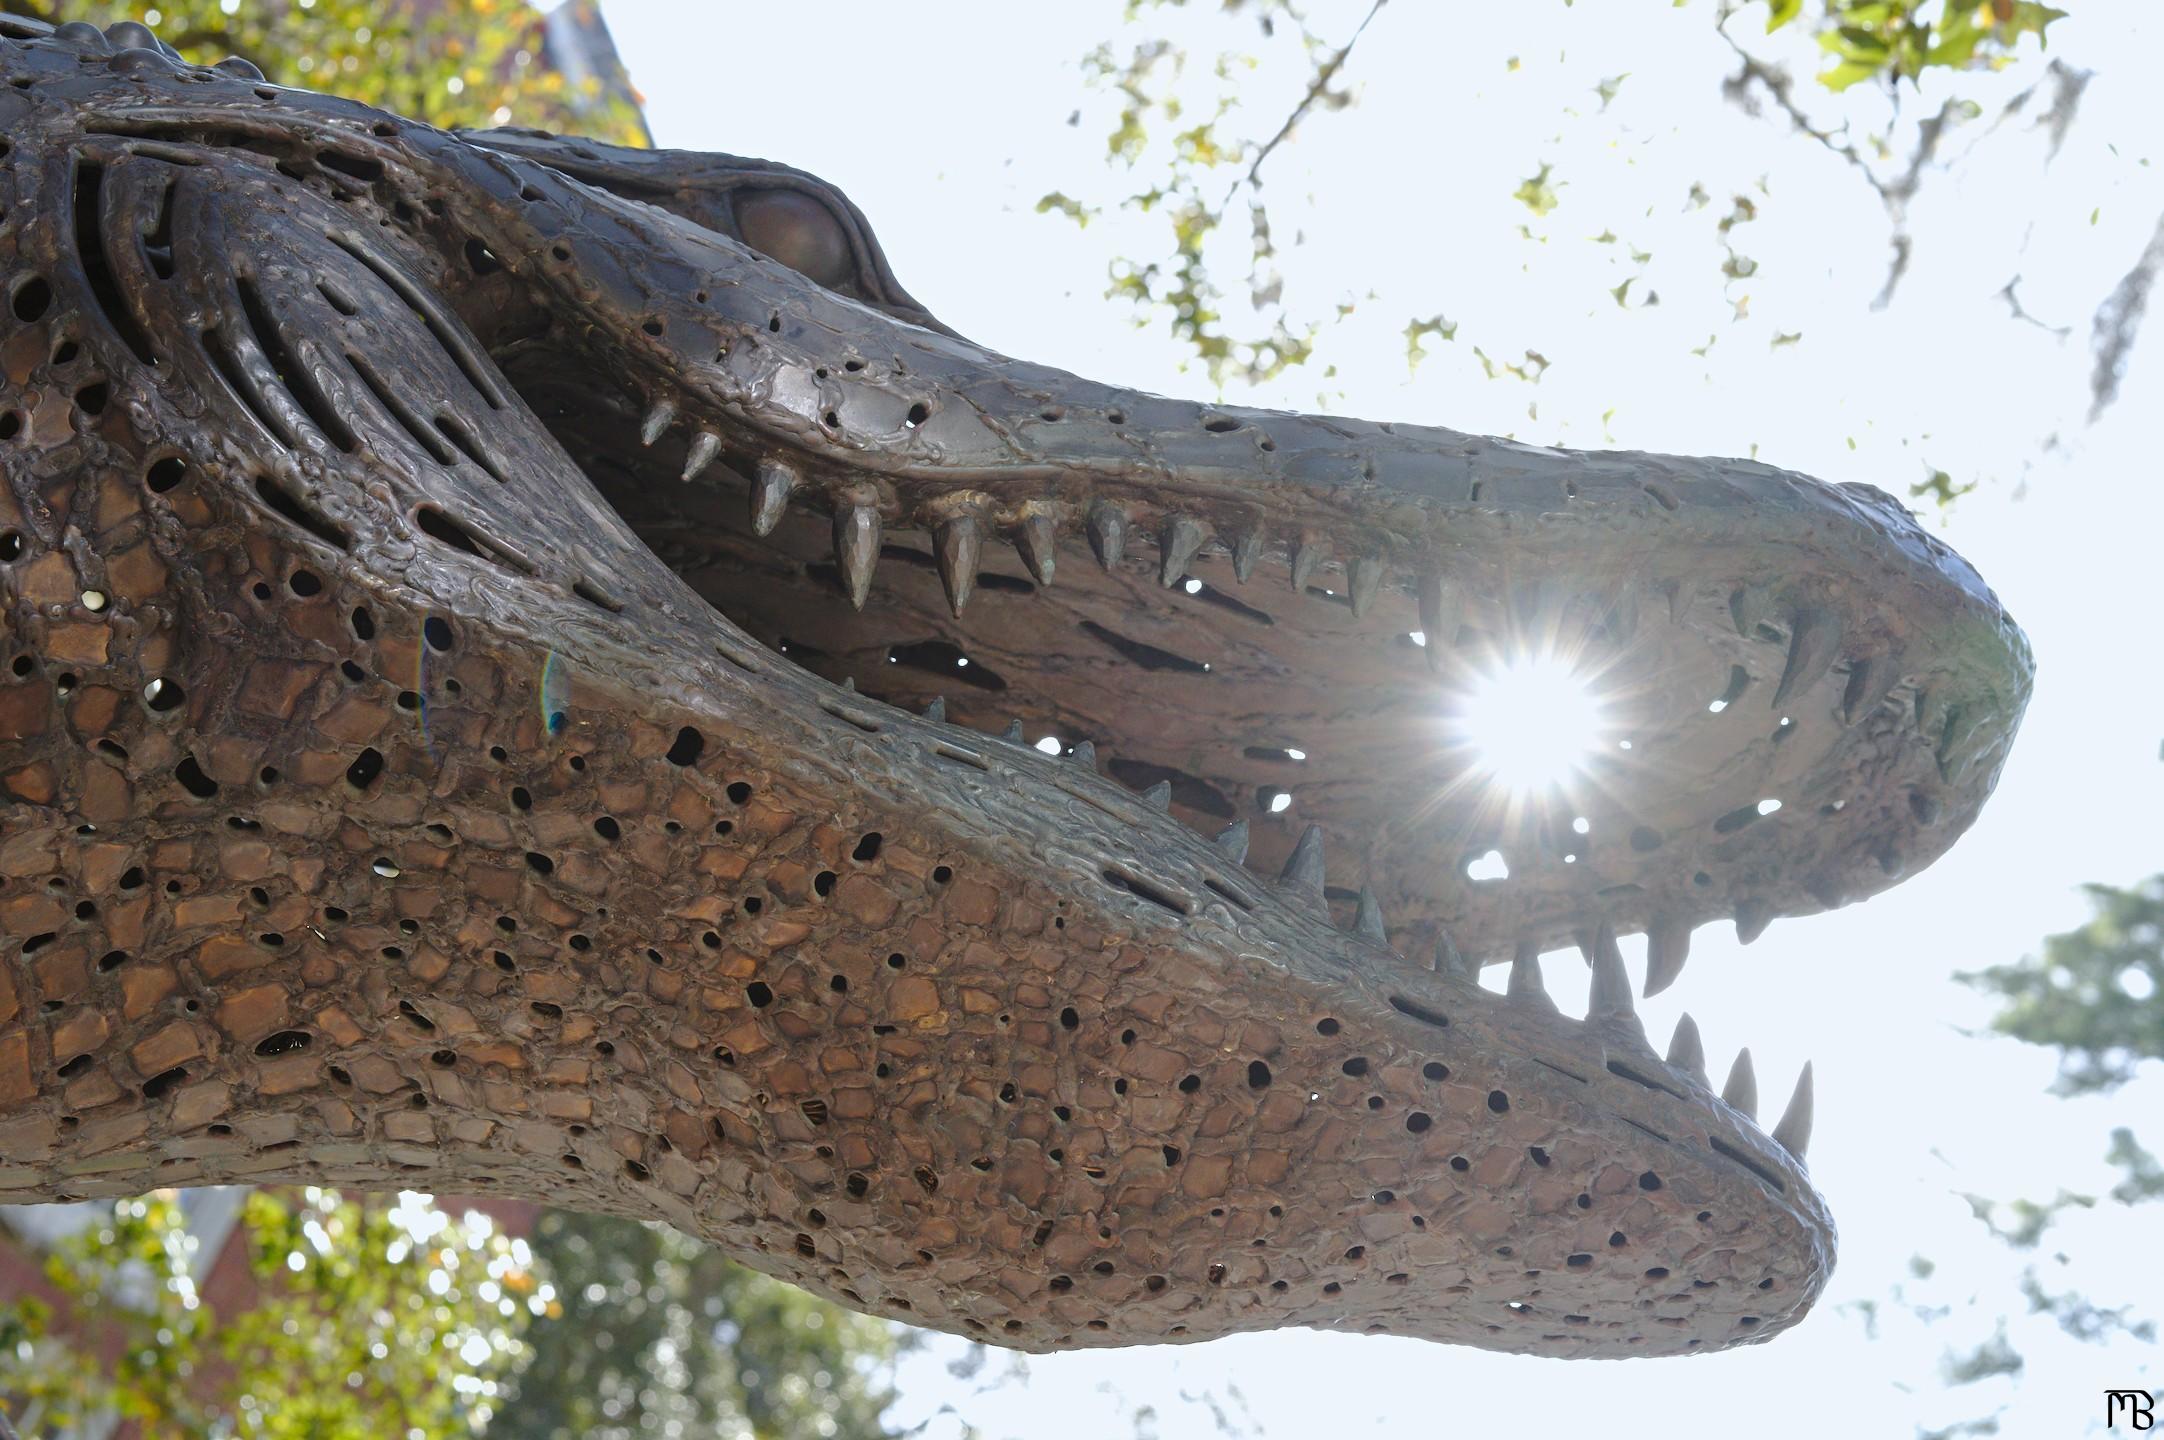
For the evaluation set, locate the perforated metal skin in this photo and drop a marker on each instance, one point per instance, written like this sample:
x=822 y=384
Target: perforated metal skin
x=470 y=612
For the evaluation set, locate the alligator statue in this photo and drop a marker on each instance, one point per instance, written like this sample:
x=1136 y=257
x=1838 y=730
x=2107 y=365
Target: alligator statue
x=535 y=668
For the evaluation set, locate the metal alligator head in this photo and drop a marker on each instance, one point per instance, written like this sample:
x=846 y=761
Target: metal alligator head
x=447 y=580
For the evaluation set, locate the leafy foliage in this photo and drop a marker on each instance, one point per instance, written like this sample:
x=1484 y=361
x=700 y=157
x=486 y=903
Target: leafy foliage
x=145 y=1356
x=378 y=1319
x=1186 y=132
x=2096 y=994
x=1191 y=177
x=383 y=1321
x=662 y=1336
x=373 y=1320
x=463 y=62
x=2093 y=995
x=1895 y=40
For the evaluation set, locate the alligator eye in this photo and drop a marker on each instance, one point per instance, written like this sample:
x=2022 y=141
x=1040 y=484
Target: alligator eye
x=799 y=231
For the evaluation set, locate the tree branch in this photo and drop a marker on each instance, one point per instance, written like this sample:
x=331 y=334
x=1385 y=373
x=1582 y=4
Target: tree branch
x=1315 y=91
x=1777 y=84
x=1894 y=194
x=2117 y=321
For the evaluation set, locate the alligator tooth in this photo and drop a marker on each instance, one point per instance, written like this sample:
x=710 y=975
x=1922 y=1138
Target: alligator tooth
x=849 y=684
x=1686 y=1051
x=83 y=33
x=1438 y=626
x=1108 y=533
x=936 y=712
x=1679 y=600
x=1814 y=643
x=1183 y=536
x=1304 y=870
x=1793 y=1134
x=1246 y=550
x=657 y=421
x=1752 y=918
x=1013 y=733
x=956 y=546
x=1741 y=1091
x=1158 y=796
x=1827 y=890
x=1870 y=681
x=132 y=35
x=1747 y=607
x=1449 y=960
x=1932 y=709
x=1526 y=985
x=1619 y=616
x=1611 y=982
x=856 y=549
x=1034 y=538
x=1365 y=578
x=1085 y=754
x=1668 y=945
x=1963 y=724
x=1368 y=919
x=704 y=447
x=1306 y=555
x=1232 y=842
x=770 y=495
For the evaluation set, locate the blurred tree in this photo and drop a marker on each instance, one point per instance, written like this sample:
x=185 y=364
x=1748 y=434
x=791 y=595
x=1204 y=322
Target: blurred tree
x=374 y=1319
x=377 y=1318
x=662 y=1336
x=2096 y=994
x=469 y=63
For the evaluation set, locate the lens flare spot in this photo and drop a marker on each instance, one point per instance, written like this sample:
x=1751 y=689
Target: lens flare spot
x=1531 y=724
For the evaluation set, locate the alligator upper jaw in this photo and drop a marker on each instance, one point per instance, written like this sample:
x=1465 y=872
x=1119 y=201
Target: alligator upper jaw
x=1803 y=697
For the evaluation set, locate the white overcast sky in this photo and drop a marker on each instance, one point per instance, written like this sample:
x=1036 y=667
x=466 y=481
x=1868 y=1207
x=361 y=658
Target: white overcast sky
x=946 y=122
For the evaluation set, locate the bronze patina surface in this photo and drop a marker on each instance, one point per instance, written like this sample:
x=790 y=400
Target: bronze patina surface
x=470 y=612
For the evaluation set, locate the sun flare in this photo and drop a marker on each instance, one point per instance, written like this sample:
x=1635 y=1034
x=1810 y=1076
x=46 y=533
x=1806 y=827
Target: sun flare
x=1531 y=723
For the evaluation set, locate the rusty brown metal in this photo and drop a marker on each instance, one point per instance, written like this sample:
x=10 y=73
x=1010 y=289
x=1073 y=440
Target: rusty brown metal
x=465 y=604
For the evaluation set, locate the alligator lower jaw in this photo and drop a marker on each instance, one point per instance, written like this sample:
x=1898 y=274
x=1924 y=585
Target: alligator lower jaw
x=926 y=1021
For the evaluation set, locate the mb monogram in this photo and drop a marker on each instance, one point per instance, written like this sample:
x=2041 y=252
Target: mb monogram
x=2136 y=1407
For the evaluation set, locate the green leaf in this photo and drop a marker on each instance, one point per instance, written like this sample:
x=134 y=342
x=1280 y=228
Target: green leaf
x=1861 y=42
x=1066 y=205
x=1536 y=194
x=1780 y=12
x=1847 y=73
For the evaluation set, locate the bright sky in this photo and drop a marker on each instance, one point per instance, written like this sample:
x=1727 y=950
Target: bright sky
x=946 y=121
